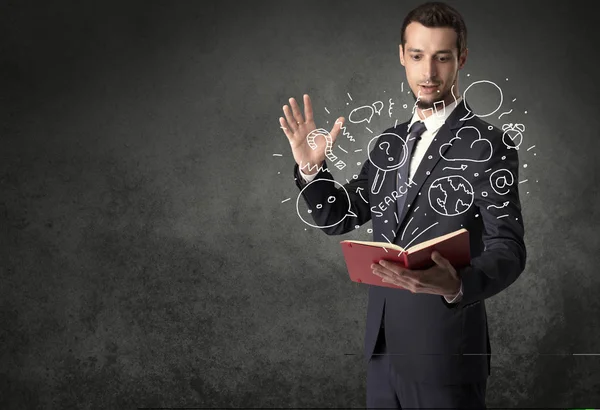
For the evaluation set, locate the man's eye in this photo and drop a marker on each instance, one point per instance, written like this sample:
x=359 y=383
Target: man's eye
x=416 y=57
x=443 y=59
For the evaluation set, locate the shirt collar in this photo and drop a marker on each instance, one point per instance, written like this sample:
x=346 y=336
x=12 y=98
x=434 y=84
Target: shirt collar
x=435 y=121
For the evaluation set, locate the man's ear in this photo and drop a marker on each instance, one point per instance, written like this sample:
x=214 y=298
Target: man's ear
x=401 y=55
x=463 y=58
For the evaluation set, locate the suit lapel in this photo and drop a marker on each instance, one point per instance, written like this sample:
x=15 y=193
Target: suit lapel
x=436 y=149
x=389 y=184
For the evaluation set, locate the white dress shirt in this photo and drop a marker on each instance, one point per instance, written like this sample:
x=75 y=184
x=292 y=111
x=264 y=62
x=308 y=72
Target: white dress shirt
x=433 y=123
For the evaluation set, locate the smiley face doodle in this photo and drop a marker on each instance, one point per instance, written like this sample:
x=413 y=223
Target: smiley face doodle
x=318 y=207
x=512 y=135
x=501 y=180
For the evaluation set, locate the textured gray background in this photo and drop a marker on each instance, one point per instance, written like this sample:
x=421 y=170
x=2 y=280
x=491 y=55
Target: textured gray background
x=146 y=256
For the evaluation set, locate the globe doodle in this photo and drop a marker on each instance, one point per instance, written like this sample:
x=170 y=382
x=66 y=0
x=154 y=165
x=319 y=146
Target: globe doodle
x=450 y=196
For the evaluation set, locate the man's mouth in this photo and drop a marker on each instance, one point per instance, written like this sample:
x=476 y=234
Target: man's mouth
x=427 y=89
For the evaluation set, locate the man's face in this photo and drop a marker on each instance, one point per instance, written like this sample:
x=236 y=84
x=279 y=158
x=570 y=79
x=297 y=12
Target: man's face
x=431 y=60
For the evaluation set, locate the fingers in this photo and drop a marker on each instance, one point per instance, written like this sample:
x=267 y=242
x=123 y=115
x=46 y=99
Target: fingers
x=336 y=128
x=442 y=262
x=284 y=126
x=291 y=122
x=308 y=111
x=395 y=273
x=296 y=110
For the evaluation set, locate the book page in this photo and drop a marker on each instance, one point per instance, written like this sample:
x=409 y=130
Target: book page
x=433 y=241
x=377 y=244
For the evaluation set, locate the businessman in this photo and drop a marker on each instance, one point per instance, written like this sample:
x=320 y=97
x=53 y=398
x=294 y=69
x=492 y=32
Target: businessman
x=426 y=341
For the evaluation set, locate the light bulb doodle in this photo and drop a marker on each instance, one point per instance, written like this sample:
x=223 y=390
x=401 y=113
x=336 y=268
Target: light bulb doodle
x=398 y=158
x=494 y=87
x=310 y=139
x=501 y=180
x=512 y=135
x=468 y=133
x=330 y=200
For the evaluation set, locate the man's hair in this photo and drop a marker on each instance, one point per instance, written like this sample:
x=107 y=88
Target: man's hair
x=438 y=14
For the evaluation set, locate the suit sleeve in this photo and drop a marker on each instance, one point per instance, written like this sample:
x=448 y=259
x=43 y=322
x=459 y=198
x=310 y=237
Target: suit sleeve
x=323 y=187
x=504 y=255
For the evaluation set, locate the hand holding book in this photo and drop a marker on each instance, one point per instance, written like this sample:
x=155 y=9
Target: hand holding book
x=428 y=267
x=440 y=279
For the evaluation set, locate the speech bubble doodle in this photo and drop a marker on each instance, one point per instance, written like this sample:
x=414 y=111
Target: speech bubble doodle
x=393 y=161
x=502 y=182
x=378 y=108
x=362 y=115
x=467 y=133
x=512 y=134
x=471 y=114
x=330 y=200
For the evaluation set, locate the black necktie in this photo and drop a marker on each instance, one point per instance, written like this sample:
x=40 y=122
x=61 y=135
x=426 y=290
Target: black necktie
x=414 y=135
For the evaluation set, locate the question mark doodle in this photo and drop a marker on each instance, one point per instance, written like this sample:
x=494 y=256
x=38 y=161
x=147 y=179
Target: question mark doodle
x=310 y=139
x=387 y=149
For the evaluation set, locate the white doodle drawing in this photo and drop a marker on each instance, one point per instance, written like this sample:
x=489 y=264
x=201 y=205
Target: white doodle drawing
x=321 y=132
x=471 y=114
x=501 y=180
x=392 y=163
x=461 y=168
x=451 y=196
x=440 y=113
x=504 y=113
x=361 y=114
x=359 y=192
x=504 y=205
x=404 y=230
x=415 y=238
x=345 y=133
x=310 y=168
x=469 y=131
x=349 y=212
x=512 y=133
x=378 y=107
x=390 y=109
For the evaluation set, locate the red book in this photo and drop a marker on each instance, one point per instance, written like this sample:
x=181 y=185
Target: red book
x=360 y=255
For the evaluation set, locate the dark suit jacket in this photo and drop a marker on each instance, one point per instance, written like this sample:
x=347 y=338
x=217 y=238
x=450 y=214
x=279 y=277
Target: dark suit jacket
x=429 y=339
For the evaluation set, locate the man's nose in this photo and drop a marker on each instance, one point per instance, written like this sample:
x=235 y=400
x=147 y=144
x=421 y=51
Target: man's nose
x=430 y=69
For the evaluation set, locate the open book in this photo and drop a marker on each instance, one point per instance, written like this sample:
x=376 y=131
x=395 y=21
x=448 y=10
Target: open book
x=359 y=255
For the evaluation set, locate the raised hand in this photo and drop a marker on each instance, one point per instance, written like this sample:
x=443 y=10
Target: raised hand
x=297 y=128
